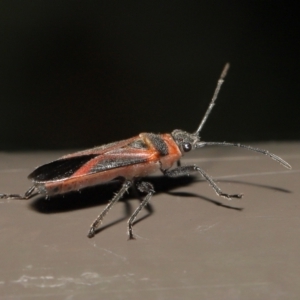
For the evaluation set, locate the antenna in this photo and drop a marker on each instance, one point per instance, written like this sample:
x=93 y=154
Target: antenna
x=214 y=98
x=265 y=152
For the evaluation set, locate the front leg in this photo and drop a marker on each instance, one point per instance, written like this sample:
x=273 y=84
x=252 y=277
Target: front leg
x=186 y=170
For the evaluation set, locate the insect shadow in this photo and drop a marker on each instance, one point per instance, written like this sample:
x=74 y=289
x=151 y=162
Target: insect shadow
x=265 y=186
x=102 y=194
x=218 y=203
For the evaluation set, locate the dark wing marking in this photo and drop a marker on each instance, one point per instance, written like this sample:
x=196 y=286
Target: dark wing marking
x=116 y=162
x=60 y=169
x=158 y=143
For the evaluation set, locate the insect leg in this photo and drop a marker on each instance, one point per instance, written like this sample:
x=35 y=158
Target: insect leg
x=29 y=194
x=126 y=185
x=144 y=187
x=186 y=170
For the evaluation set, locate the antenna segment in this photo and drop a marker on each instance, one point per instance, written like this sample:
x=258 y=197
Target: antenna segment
x=214 y=98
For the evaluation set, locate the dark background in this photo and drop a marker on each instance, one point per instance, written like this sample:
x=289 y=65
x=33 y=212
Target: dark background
x=76 y=74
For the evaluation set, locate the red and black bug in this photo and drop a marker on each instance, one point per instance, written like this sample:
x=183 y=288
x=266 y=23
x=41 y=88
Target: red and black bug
x=129 y=160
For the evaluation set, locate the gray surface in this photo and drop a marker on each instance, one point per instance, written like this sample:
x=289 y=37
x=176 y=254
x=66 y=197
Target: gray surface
x=187 y=248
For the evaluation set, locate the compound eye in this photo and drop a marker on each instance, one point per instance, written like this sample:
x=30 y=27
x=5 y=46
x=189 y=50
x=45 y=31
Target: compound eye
x=186 y=147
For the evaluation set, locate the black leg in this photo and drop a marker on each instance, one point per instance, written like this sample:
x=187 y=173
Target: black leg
x=126 y=185
x=186 y=170
x=144 y=187
x=29 y=194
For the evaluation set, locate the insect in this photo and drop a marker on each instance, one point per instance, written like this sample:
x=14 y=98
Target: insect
x=129 y=160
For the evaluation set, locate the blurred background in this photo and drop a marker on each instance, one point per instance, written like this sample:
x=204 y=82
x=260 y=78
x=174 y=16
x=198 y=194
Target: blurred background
x=77 y=74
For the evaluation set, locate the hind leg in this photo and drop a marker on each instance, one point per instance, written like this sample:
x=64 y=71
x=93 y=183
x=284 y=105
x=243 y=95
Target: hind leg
x=29 y=194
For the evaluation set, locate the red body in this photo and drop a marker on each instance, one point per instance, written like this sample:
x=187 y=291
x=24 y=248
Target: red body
x=142 y=161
